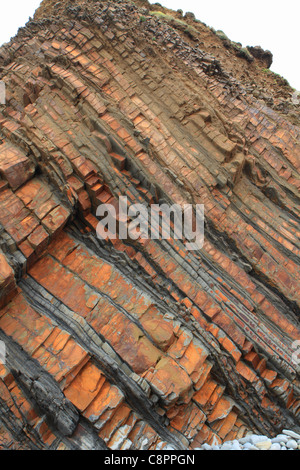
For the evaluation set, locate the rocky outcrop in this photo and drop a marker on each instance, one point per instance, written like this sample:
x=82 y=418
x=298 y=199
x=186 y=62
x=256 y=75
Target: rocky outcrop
x=143 y=344
x=266 y=57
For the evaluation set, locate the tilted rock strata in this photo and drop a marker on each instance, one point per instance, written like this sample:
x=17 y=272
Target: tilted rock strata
x=142 y=344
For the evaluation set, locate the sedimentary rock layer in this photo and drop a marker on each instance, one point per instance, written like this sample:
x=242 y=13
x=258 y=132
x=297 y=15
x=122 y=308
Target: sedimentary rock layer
x=140 y=344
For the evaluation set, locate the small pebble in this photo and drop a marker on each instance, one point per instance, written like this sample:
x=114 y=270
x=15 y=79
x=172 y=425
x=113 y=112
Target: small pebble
x=206 y=447
x=287 y=440
x=245 y=440
x=249 y=446
x=275 y=446
x=226 y=446
x=292 y=444
x=292 y=434
x=255 y=439
x=280 y=438
x=264 y=445
x=235 y=445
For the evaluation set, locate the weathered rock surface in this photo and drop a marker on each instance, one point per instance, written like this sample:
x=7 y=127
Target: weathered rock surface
x=127 y=344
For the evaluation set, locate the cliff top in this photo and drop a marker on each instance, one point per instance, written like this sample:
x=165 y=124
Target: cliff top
x=250 y=66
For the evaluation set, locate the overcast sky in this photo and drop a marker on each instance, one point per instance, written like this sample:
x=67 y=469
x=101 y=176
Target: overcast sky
x=272 y=24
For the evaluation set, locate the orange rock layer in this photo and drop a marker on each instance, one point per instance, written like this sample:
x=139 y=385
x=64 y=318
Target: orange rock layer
x=144 y=343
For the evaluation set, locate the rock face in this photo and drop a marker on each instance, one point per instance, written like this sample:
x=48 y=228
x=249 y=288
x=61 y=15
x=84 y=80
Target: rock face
x=266 y=57
x=140 y=344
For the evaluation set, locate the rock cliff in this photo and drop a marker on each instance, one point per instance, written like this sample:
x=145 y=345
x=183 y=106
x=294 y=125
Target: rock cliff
x=143 y=344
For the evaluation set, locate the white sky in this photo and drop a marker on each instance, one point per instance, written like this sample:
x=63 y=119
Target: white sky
x=272 y=24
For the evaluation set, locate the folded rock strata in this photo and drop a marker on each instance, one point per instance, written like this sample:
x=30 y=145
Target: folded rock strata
x=140 y=344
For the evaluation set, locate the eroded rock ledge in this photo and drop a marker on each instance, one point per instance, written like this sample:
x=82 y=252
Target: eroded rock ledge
x=139 y=345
